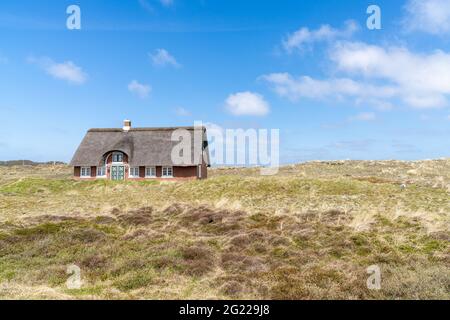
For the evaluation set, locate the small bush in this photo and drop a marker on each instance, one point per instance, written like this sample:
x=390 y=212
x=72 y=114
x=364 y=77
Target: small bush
x=141 y=216
x=133 y=281
x=197 y=260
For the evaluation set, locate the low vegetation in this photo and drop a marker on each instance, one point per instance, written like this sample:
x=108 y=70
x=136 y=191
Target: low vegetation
x=309 y=232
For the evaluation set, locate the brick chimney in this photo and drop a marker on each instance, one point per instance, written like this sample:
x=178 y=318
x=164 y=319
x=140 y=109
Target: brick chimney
x=126 y=125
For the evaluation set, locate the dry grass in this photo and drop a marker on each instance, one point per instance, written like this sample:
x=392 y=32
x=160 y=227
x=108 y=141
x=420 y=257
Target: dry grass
x=308 y=233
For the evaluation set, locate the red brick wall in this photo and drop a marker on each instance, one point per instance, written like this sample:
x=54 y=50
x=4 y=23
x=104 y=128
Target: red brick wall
x=184 y=172
x=77 y=173
x=178 y=172
x=204 y=171
x=158 y=171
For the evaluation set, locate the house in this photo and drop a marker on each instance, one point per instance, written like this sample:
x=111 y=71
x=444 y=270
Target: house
x=140 y=153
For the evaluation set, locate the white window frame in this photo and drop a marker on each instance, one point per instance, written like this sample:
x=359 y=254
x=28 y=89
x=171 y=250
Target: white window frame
x=103 y=171
x=153 y=170
x=131 y=175
x=117 y=154
x=166 y=175
x=87 y=173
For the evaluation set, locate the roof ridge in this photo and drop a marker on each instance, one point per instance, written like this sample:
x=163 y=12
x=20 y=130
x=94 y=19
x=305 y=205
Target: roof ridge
x=144 y=129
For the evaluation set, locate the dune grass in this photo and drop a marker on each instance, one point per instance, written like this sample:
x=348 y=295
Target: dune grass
x=309 y=232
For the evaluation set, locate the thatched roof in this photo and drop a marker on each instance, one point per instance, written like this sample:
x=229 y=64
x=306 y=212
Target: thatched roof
x=144 y=146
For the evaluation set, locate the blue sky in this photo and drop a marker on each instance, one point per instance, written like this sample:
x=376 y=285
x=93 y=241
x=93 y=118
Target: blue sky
x=334 y=88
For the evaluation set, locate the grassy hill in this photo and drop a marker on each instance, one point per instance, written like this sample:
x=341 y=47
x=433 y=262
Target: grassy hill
x=309 y=232
x=11 y=163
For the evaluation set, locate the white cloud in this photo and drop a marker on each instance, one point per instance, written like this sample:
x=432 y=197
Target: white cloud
x=303 y=37
x=370 y=74
x=247 y=103
x=422 y=81
x=430 y=16
x=67 y=71
x=364 y=116
x=182 y=112
x=285 y=85
x=139 y=89
x=162 y=58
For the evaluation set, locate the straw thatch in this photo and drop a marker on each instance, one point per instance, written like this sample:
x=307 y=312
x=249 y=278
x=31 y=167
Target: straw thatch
x=144 y=146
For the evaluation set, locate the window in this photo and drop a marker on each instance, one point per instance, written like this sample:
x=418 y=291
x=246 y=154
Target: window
x=167 y=172
x=134 y=172
x=150 y=172
x=85 y=172
x=117 y=157
x=101 y=171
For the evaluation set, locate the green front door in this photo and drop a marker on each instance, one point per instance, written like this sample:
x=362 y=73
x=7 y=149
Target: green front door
x=117 y=172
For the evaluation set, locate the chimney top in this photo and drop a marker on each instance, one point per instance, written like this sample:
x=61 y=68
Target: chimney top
x=126 y=125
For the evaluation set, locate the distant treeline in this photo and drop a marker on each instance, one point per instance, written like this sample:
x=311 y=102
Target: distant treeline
x=27 y=163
